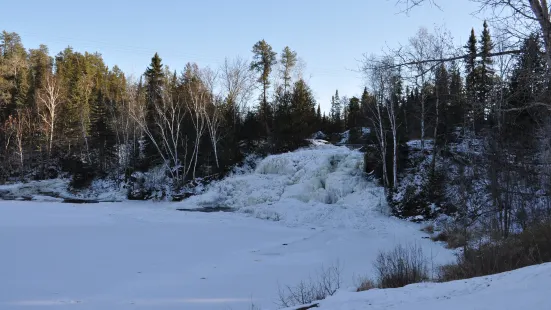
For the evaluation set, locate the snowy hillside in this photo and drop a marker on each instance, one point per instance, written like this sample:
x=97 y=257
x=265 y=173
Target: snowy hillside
x=526 y=288
x=323 y=186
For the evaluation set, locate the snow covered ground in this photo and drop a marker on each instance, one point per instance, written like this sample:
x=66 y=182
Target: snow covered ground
x=294 y=213
x=526 y=288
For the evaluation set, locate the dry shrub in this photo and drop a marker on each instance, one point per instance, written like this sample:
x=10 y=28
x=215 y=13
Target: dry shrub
x=401 y=266
x=453 y=237
x=366 y=284
x=531 y=247
x=325 y=284
x=429 y=229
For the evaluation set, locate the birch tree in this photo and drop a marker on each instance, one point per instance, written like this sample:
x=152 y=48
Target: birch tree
x=419 y=49
x=48 y=107
x=197 y=97
x=376 y=77
x=213 y=109
x=238 y=84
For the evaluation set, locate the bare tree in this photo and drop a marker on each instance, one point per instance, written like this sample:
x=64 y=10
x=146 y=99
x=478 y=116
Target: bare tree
x=49 y=102
x=85 y=85
x=123 y=120
x=392 y=110
x=440 y=46
x=376 y=76
x=169 y=115
x=22 y=127
x=213 y=110
x=197 y=96
x=416 y=67
x=238 y=84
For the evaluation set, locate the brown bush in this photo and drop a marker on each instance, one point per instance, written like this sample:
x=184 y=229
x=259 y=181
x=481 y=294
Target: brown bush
x=454 y=238
x=366 y=285
x=531 y=247
x=401 y=266
x=429 y=229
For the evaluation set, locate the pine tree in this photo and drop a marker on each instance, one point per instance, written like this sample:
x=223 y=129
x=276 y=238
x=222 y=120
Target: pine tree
x=288 y=62
x=263 y=61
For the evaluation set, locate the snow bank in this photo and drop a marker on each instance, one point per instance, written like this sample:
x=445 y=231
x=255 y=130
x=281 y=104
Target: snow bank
x=526 y=288
x=57 y=189
x=322 y=185
x=50 y=190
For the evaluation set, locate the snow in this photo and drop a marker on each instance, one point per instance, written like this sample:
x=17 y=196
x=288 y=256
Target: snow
x=416 y=144
x=124 y=255
x=57 y=189
x=294 y=213
x=319 y=135
x=526 y=288
x=345 y=136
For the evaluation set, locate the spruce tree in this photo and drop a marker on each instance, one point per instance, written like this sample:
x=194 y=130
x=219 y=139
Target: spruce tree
x=154 y=79
x=470 y=66
x=485 y=72
x=471 y=81
x=354 y=116
x=528 y=85
x=302 y=113
x=336 y=110
x=456 y=111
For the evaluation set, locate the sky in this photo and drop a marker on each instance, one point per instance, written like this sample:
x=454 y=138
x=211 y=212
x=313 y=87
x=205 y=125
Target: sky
x=330 y=36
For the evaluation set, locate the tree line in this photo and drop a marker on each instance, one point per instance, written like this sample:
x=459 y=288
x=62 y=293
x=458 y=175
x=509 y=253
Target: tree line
x=72 y=115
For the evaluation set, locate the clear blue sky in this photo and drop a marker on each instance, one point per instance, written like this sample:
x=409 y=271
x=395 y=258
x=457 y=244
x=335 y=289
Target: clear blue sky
x=329 y=35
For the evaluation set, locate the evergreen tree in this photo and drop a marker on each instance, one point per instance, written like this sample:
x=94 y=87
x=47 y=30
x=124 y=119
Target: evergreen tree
x=263 y=61
x=288 y=62
x=154 y=80
x=455 y=111
x=470 y=63
x=318 y=113
x=442 y=94
x=336 y=109
x=471 y=76
x=354 y=119
x=485 y=72
x=302 y=113
x=283 y=128
x=528 y=85
x=354 y=113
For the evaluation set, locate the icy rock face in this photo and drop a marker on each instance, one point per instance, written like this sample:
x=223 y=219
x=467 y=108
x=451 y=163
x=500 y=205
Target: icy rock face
x=318 y=178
